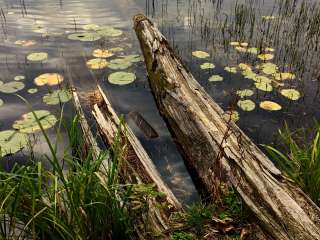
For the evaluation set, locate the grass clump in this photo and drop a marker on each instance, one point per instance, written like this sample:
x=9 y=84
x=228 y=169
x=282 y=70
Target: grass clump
x=300 y=159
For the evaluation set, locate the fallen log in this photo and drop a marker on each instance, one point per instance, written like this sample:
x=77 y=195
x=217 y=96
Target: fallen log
x=218 y=150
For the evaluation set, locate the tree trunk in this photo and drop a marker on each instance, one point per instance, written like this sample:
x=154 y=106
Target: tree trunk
x=218 y=150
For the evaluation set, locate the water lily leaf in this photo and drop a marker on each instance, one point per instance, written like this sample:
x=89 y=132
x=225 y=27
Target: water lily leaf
x=233 y=115
x=231 y=69
x=268 y=68
x=108 y=31
x=102 y=53
x=121 y=78
x=241 y=49
x=249 y=74
x=245 y=67
x=270 y=106
x=291 y=94
x=11 y=142
x=284 y=76
x=91 y=26
x=32 y=90
x=28 y=123
x=37 y=56
x=97 y=63
x=57 y=97
x=265 y=56
x=133 y=58
x=207 y=65
x=262 y=79
x=215 y=78
x=25 y=43
x=244 y=44
x=234 y=43
x=119 y=64
x=263 y=86
x=50 y=79
x=269 y=49
x=253 y=50
x=245 y=93
x=200 y=54
x=116 y=49
x=11 y=87
x=19 y=78
x=268 y=18
x=1 y=102
x=85 y=36
x=246 y=105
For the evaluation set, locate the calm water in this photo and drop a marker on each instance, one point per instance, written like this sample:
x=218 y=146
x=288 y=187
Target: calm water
x=205 y=25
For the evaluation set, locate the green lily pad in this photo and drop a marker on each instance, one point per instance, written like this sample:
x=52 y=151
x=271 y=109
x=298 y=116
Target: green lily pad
x=91 y=26
x=231 y=69
x=85 y=36
x=108 y=31
x=119 y=64
x=37 y=56
x=233 y=115
x=253 y=50
x=28 y=123
x=57 y=96
x=245 y=93
x=246 y=105
x=263 y=86
x=32 y=90
x=121 y=78
x=200 y=54
x=11 y=87
x=215 y=78
x=11 y=142
x=270 y=106
x=133 y=58
x=291 y=94
x=207 y=66
x=19 y=78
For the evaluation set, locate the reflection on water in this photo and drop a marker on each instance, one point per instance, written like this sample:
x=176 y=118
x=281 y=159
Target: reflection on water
x=206 y=25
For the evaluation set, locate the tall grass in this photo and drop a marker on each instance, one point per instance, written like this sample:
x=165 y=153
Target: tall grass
x=302 y=160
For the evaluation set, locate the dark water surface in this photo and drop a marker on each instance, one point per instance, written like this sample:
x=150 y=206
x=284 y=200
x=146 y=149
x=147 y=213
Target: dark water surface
x=189 y=25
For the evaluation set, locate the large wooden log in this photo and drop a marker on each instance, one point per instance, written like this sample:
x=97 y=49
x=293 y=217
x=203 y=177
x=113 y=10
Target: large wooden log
x=218 y=150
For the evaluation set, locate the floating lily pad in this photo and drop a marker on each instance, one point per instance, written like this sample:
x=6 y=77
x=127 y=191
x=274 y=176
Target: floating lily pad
x=11 y=142
x=32 y=90
x=200 y=54
x=1 y=102
x=19 y=78
x=249 y=74
x=270 y=106
x=253 y=50
x=97 y=63
x=241 y=49
x=119 y=64
x=231 y=69
x=245 y=93
x=25 y=43
x=215 y=78
x=262 y=79
x=29 y=124
x=234 y=43
x=245 y=67
x=269 y=49
x=57 y=96
x=11 y=87
x=291 y=94
x=246 y=105
x=268 y=18
x=133 y=58
x=265 y=56
x=50 y=79
x=116 y=49
x=244 y=44
x=108 y=31
x=121 y=78
x=85 y=36
x=284 y=76
x=102 y=53
x=37 y=56
x=263 y=86
x=207 y=66
x=233 y=115
x=268 y=68
x=91 y=26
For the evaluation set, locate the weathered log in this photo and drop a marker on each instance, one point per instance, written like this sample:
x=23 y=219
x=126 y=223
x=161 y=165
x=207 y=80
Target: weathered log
x=218 y=150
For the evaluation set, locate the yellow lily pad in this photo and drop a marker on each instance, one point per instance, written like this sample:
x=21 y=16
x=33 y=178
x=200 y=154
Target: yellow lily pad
x=102 y=53
x=268 y=49
x=253 y=50
x=241 y=49
x=231 y=115
x=215 y=78
x=270 y=106
x=200 y=54
x=50 y=79
x=291 y=94
x=11 y=87
x=284 y=76
x=249 y=74
x=244 y=44
x=231 y=69
x=37 y=56
x=246 y=105
x=262 y=79
x=11 y=142
x=245 y=93
x=245 y=67
x=265 y=56
x=263 y=86
x=19 y=78
x=121 y=78
x=97 y=63
x=234 y=43
x=267 y=18
x=207 y=66
x=269 y=68
x=57 y=97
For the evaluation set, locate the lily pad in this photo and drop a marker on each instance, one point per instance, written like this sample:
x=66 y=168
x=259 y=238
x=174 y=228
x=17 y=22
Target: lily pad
x=1 y=102
x=11 y=87
x=37 y=56
x=200 y=54
x=231 y=69
x=269 y=49
x=284 y=76
x=249 y=74
x=265 y=56
x=246 y=105
x=244 y=44
x=29 y=124
x=262 y=79
x=97 y=63
x=85 y=36
x=207 y=65
x=108 y=31
x=19 y=78
x=253 y=50
x=134 y=58
x=268 y=68
x=11 y=142
x=245 y=93
x=234 y=43
x=121 y=78
x=270 y=106
x=119 y=64
x=245 y=67
x=32 y=90
x=50 y=79
x=233 y=115
x=263 y=86
x=25 y=43
x=91 y=26
x=291 y=94
x=215 y=78
x=102 y=53
x=241 y=49
x=267 y=18
x=116 y=49
x=57 y=96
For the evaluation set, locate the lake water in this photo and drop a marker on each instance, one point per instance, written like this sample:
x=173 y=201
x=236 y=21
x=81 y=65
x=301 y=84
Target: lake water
x=293 y=33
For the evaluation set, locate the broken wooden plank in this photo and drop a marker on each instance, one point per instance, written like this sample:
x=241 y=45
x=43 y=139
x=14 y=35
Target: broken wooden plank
x=218 y=150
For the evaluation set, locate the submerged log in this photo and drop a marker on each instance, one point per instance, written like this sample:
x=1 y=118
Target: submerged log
x=218 y=150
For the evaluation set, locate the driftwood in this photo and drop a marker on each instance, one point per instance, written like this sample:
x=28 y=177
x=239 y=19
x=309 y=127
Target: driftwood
x=218 y=150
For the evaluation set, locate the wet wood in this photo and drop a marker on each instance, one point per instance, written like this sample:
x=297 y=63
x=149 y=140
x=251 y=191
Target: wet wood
x=144 y=126
x=218 y=150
